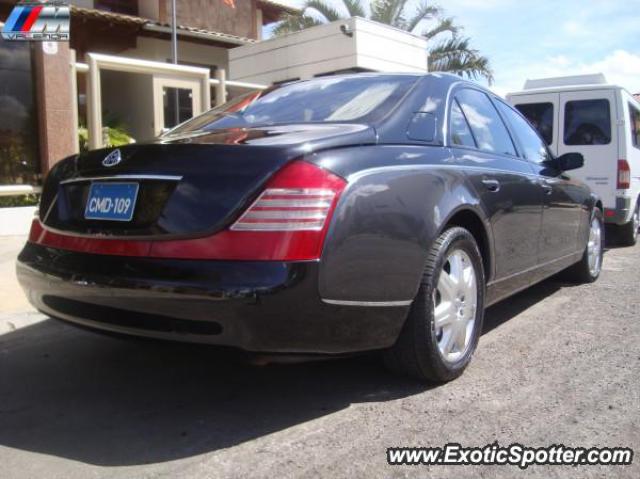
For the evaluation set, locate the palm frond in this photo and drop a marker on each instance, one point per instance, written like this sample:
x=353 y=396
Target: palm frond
x=323 y=8
x=456 y=56
x=295 y=23
x=355 y=8
x=424 y=12
x=386 y=11
x=444 y=25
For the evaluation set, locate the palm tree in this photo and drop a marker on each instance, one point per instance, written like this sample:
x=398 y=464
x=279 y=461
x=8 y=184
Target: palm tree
x=454 y=54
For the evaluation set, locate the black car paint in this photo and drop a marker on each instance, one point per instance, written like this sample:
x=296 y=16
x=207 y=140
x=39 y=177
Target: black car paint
x=247 y=304
x=217 y=182
x=402 y=191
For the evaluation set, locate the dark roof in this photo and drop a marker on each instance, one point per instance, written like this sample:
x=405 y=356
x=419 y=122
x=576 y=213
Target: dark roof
x=140 y=23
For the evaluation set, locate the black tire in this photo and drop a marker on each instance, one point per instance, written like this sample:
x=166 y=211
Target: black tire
x=416 y=353
x=581 y=272
x=627 y=234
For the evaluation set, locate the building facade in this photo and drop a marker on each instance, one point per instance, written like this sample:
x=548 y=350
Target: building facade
x=38 y=113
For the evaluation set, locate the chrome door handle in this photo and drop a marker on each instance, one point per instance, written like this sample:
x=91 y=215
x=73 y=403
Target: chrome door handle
x=548 y=189
x=491 y=185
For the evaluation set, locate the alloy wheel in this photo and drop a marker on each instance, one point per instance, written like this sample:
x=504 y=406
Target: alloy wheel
x=455 y=301
x=594 y=247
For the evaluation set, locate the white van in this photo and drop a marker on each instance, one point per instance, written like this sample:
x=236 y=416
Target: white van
x=584 y=114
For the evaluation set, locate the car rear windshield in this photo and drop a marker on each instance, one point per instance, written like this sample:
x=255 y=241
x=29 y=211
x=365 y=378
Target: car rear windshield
x=540 y=115
x=324 y=100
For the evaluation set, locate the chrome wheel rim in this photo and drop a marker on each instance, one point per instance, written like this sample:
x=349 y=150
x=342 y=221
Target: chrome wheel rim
x=594 y=247
x=636 y=221
x=455 y=302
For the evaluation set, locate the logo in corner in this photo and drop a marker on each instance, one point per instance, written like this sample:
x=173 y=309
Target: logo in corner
x=37 y=20
x=112 y=159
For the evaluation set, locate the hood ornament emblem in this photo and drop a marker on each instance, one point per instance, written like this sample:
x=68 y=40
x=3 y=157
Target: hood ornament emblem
x=112 y=159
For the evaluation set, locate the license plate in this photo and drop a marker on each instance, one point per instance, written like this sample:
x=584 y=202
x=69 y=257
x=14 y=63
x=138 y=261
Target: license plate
x=111 y=201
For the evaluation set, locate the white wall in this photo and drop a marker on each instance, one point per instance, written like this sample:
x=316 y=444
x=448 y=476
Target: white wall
x=16 y=221
x=130 y=97
x=160 y=50
x=326 y=49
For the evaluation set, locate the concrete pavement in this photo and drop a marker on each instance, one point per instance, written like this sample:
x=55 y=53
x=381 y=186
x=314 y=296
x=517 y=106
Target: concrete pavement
x=556 y=364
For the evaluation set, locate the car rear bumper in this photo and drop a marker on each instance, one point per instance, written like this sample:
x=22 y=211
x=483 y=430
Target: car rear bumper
x=621 y=214
x=266 y=306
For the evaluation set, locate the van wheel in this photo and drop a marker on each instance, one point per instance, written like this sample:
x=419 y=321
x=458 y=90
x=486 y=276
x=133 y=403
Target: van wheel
x=444 y=324
x=587 y=270
x=628 y=233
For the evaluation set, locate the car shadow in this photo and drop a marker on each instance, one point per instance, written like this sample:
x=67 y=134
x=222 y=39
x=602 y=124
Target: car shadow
x=503 y=311
x=108 y=402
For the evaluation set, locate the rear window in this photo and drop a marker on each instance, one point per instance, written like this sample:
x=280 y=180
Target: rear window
x=540 y=115
x=324 y=100
x=587 y=122
x=634 y=121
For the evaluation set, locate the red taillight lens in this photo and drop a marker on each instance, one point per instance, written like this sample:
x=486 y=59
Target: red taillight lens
x=624 y=175
x=287 y=222
x=287 y=209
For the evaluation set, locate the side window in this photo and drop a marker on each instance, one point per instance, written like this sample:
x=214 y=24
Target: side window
x=486 y=125
x=587 y=122
x=460 y=132
x=540 y=115
x=634 y=121
x=534 y=148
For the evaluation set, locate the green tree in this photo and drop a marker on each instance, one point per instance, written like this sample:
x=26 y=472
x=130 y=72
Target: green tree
x=448 y=51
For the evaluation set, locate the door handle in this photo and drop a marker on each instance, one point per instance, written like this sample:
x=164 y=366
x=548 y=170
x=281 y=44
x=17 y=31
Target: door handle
x=491 y=185
x=548 y=189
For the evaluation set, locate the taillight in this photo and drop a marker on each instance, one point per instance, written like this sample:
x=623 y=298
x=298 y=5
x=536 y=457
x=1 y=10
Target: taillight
x=290 y=218
x=287 y=209
x=624 y=175
x=287 y=222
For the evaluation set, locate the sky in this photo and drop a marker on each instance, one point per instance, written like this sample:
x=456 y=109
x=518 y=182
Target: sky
x=527 y=39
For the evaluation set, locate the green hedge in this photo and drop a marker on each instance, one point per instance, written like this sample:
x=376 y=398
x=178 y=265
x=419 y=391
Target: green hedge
x=23 y=200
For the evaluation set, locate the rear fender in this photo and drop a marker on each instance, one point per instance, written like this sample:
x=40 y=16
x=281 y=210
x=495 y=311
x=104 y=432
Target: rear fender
x=383 y=227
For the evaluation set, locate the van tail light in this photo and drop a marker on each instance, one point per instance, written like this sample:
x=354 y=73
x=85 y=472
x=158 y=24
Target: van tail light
x=624 y=175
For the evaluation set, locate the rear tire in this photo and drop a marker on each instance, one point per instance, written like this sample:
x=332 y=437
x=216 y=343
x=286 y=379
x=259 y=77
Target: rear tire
x=438 y=347
x=628 y=233
x=587 y=270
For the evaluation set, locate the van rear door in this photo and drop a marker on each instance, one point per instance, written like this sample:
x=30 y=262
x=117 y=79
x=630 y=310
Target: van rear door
x=541 y=109
x=588 y=122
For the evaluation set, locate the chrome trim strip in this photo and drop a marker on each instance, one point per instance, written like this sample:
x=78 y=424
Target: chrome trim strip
x=122 y=177
x=340 y=302
x=483 y=169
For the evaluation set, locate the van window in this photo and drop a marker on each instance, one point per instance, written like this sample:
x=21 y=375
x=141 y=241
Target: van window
x=540 y=115
x=460 y=132
x=486 y=125
x=534 y=148
x=587 y=122
x=634 y=115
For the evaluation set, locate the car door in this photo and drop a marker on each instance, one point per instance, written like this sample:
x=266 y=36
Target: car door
x=565 y=200
x=507 y=188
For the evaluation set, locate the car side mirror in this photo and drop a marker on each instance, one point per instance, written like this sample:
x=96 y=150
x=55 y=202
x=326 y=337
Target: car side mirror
x=569 y=161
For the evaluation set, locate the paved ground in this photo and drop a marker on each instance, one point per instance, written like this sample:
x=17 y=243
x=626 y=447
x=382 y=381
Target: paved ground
x=556 y=364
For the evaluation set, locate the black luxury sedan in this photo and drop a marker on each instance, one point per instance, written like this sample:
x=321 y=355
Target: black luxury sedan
x=342 y=214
